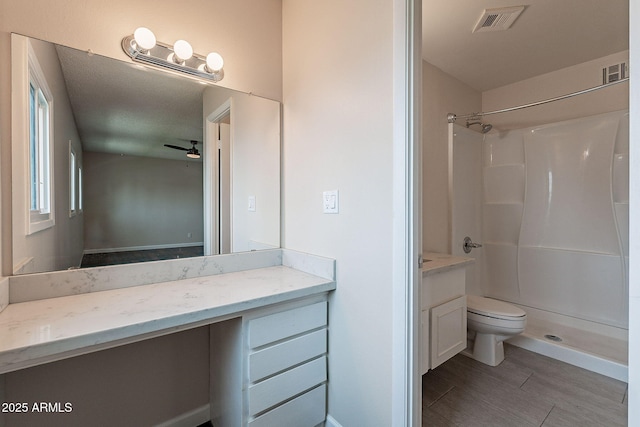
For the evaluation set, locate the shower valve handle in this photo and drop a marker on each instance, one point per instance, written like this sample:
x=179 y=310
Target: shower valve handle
x=467 y=245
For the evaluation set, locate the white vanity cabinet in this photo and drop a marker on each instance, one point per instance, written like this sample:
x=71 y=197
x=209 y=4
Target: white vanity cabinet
x=287 y=367
x=280 y=375
x=443 y=320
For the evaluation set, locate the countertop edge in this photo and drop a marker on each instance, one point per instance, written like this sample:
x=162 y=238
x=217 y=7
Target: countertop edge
x=25 y=356
x=438 y=262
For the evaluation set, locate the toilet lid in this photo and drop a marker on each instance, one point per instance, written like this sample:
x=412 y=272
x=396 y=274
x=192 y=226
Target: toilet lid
x=492 y=307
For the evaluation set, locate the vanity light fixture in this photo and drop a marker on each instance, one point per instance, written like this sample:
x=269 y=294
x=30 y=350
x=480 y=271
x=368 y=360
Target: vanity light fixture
x=142 y=46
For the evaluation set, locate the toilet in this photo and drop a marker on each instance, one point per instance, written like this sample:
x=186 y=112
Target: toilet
x=492 y=322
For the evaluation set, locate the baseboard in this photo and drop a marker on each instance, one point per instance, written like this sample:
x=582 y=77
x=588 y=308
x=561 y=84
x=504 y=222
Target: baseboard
x=331 y=422
x=22 y=266
x=4 y=296
x=189 y=419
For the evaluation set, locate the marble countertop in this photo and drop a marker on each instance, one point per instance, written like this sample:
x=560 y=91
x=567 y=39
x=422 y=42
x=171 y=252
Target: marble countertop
x=45 y=330
x=436 y=262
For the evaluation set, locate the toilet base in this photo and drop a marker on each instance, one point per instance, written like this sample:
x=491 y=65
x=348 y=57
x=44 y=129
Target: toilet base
x=488 y=349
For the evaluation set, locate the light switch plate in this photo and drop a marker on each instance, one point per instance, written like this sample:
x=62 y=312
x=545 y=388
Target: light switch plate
x=330 y=201
x=252 y=203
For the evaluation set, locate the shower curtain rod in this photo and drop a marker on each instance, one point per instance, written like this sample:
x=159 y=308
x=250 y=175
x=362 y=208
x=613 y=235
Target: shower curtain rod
x=452 y=117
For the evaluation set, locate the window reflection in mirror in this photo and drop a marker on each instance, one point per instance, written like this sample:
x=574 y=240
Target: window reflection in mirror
x=124 y=187
x=40 y=161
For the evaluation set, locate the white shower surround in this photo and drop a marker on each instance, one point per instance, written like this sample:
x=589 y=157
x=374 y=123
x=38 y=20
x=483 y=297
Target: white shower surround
x=541 y=248
x=555 y=223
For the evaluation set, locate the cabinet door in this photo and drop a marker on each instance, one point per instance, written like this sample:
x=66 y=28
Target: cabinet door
x=448 y=330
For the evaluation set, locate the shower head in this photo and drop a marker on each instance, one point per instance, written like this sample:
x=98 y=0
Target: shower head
x=485 y=127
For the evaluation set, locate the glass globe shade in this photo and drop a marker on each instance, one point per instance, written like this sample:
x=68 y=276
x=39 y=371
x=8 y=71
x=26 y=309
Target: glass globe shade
x=215 y=61
x=183 y=50
x=144 y=38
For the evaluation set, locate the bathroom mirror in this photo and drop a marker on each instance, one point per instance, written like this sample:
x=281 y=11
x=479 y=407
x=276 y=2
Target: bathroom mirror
x=120 y=187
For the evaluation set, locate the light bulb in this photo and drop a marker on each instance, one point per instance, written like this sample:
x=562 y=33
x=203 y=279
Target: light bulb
x=214 y=62
x=144 y=38
x=183 y=50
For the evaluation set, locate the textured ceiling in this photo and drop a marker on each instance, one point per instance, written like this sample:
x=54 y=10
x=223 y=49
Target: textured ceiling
x=547 y=36
x=127 y=109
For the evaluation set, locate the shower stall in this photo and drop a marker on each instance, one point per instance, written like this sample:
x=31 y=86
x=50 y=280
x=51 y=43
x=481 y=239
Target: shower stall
x=550 y=206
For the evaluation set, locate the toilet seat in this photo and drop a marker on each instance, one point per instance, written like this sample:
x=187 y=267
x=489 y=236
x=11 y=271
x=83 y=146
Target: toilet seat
x=492 y=322
x=493 y=308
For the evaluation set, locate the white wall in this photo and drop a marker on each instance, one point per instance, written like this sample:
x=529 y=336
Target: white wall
x=134 y=202
x=255 y=171
x=338 y=135
x=557 y=83
x=247 y=33
x=255 y=167
x=442 y=94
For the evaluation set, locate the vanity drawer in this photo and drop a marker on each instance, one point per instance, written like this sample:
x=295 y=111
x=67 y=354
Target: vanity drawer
x=305 y=410
x=278 y=326
x=282 y=387
x=441 y=287
x=279 y=357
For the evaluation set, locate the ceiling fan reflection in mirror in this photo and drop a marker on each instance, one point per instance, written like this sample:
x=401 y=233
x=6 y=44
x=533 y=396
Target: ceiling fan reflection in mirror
x=192 y=152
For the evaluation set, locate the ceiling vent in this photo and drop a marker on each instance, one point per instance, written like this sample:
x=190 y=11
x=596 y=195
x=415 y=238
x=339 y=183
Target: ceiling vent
x=498 y=19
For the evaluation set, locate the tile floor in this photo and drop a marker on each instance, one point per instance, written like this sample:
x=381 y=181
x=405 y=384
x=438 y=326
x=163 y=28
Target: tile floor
x=526 y=389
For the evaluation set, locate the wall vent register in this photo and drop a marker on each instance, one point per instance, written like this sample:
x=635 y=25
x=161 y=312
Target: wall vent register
x=614 y=72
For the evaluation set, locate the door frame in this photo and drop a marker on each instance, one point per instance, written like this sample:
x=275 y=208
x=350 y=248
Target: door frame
x=407 y=201
x=211 y=182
